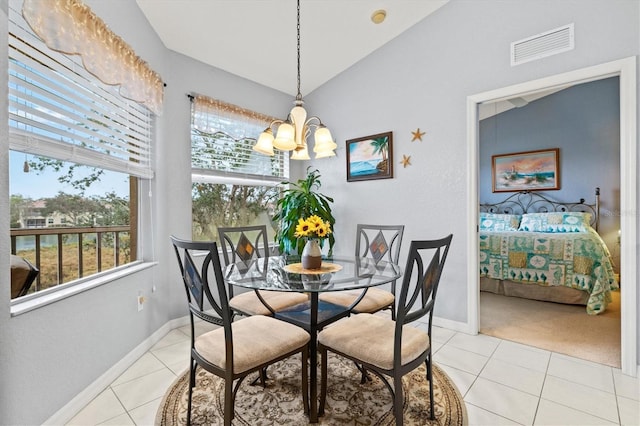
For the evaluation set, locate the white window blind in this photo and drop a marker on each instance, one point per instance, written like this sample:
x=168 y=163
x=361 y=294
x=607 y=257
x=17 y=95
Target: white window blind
x=58 y=110
x=222 y=139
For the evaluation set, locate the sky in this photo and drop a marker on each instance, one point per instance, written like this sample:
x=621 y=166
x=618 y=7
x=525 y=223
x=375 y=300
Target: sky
x=362 y=151
x=37 y=185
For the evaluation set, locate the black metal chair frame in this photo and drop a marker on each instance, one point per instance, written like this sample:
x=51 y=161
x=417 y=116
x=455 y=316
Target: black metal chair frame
x=229 y=250
x=197 y=286
x=229 y=254
x=410 y=307
x=392 y=255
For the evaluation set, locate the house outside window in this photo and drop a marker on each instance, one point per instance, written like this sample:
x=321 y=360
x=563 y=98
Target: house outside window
x=232 y=185
x=78 y=150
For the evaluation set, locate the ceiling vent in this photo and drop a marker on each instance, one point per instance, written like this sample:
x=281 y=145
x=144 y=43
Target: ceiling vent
x=542 y=45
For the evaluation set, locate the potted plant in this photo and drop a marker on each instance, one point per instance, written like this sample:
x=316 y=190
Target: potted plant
x=301 y=201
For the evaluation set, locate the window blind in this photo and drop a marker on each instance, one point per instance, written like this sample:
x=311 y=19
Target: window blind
x=222 y=139
x=57 y=109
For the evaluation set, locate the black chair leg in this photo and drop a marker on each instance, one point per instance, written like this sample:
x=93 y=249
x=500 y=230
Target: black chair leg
x=398 y=400
x=305 y=380
x=432 y=414
x=365 y=374
x=192 y=384
x=228 y=402
x=262 y=377
x=323 y=379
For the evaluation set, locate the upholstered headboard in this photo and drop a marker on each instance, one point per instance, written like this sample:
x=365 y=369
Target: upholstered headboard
x=532 y=202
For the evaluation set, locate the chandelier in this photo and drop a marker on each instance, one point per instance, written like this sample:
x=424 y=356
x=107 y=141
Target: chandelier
x=292 y=133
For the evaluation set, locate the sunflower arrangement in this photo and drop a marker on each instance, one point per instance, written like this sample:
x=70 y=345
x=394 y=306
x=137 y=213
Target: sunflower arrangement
x=312 y=227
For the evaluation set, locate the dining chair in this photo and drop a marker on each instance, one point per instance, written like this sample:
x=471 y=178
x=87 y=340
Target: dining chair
x=387 y=347
x=243 y=244
x=380 y=242
x=236 y=348
x=23 y=274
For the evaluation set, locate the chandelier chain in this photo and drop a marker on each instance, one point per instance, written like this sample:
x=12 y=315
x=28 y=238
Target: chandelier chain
x=293 y=131
x=299 y=95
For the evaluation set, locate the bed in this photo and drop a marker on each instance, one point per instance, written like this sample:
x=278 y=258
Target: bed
x=537 y=248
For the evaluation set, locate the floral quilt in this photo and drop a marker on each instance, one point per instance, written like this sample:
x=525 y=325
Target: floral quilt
x=579 y=260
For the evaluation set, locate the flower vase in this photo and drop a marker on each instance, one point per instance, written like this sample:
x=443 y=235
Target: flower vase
x=311 y=255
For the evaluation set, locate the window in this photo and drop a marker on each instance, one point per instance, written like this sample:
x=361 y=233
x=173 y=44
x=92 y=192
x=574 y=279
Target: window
x=232 y=184
x=78 y=149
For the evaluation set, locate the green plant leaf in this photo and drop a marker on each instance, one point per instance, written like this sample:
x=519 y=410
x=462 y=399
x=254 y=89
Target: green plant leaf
x=301 y=200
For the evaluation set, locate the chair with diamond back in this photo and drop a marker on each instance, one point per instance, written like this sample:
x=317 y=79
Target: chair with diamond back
x=237 y=348
x=243 y=244
x=387 y=347
x=380 y=242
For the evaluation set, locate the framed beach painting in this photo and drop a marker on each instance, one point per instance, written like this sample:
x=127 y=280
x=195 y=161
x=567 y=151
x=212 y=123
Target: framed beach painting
x=370 y=157
x=526 y=171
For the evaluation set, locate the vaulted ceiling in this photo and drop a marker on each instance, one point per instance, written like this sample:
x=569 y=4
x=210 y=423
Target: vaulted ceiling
x=256 y=39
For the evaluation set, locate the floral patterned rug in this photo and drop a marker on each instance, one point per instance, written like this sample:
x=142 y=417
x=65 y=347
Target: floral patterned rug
x=280 y=403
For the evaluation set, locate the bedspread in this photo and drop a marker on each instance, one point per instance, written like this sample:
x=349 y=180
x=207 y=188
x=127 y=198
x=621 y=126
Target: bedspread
x=579 y=260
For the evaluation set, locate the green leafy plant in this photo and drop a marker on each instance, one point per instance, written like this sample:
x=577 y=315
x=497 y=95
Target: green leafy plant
x=300 y=201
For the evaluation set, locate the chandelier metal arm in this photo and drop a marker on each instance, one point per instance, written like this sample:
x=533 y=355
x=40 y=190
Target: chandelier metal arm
x=293 y=132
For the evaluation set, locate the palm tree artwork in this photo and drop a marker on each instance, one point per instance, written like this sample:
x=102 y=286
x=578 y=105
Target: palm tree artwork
x=370 y=157
x=381 y=146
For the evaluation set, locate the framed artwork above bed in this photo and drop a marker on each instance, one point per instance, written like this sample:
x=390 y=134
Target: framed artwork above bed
x=526 y=171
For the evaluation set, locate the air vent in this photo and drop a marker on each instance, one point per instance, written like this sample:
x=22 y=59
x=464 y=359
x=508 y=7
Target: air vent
x=542 y=45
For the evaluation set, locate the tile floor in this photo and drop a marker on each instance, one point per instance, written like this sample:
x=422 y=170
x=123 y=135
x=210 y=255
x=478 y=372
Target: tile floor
x=503 y=383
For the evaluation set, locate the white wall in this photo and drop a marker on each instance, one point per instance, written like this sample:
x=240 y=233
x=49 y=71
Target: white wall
x=422 y=79
x=49 y=355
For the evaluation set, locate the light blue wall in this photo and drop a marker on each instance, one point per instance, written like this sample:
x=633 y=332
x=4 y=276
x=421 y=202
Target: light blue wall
x=420 y=79
x=584 y=122
x=51 y=354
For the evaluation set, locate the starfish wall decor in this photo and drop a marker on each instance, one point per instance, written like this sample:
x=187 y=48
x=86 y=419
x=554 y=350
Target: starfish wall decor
x=417 y=135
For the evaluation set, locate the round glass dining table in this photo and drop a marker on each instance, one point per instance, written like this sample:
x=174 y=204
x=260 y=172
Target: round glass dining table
x=285 y=273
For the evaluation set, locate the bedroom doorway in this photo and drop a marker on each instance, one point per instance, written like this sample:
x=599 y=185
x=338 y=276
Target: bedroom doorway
x=625 y=70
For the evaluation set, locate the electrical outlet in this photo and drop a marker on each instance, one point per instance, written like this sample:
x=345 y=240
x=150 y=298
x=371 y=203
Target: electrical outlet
x=140 y=301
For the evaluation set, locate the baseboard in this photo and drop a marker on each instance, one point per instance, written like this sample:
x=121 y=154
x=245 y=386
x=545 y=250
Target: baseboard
x=463 y=327
x=66 y=413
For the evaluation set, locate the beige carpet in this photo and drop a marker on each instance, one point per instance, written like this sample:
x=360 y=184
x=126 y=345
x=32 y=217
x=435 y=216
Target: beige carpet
x=565 y=329
x=280 y=403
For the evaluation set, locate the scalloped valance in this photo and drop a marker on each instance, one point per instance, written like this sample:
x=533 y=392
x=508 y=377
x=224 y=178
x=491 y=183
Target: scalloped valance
x=71 y=27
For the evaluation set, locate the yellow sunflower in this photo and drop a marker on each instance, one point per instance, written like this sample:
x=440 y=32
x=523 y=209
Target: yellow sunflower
x=302 y=228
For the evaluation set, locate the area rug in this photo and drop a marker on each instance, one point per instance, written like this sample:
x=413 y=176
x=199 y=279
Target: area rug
x=280 y=403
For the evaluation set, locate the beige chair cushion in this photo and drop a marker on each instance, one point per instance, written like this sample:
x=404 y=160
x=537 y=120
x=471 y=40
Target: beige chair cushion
x=249 y=303
x=375 y=299
x=369 y=338
x=256 y=340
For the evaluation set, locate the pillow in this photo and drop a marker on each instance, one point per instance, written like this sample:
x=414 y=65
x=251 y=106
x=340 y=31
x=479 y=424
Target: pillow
x=499 y=222
x=555 y=222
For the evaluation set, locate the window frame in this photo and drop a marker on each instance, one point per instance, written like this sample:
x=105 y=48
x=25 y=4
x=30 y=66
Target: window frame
x=138 y=166
x=230 y=112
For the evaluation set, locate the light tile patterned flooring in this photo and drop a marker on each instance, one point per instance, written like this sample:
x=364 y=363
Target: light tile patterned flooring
x=503 y=383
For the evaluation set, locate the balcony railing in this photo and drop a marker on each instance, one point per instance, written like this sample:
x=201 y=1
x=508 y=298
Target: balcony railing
x=81 y=251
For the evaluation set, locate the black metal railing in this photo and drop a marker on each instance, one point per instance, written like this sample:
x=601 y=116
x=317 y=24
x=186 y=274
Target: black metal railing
x=98 y=248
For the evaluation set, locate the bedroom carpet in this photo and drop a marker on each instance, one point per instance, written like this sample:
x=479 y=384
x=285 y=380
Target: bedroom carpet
x=565 y=329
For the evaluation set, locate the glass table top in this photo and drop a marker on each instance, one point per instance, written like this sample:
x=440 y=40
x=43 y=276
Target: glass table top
x=284 y=273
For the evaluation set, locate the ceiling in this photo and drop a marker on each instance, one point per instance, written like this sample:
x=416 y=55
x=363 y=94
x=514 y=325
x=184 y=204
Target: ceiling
x=492 y=108
x=256 y=39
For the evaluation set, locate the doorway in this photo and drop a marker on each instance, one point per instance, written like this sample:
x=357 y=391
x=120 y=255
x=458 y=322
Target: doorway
x=626 y=71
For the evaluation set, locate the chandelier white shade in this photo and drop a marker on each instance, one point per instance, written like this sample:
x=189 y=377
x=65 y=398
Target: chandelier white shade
x=292 y=134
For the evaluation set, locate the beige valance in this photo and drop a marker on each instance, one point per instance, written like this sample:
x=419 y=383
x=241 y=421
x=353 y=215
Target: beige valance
x=217 y=107
x=71 y=27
